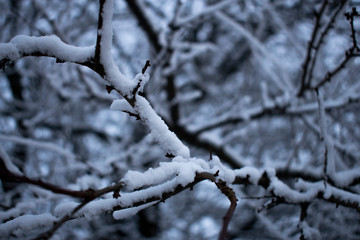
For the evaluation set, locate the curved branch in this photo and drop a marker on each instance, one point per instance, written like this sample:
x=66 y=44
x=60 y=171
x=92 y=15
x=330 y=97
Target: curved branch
x=47 y=46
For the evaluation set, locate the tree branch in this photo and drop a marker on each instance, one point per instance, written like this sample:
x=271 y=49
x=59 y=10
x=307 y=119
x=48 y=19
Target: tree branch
x=305 y=65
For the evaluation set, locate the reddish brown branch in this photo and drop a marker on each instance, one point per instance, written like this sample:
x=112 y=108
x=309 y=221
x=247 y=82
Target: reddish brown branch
x=7 y=176
x=229 y=192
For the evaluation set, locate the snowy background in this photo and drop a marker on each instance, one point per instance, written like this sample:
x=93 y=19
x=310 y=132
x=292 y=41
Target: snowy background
x=233 y=90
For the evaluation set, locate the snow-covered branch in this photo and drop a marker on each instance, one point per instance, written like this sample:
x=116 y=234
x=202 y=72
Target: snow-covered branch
x=47 y=46
x=229 y=82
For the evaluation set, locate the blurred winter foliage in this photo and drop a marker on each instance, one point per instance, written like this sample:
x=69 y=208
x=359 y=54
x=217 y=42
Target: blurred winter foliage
x=229 y=81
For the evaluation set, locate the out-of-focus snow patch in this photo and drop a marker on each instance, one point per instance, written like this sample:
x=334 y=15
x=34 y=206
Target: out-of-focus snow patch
x=344 y=178
x=8 y=50
x=309 y=232
x=24 y=224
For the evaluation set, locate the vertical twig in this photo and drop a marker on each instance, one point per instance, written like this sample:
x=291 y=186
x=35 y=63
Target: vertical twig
x=303 y=215
x=329 y=158
x=319 y=42
x=350 y=17
x=229 y=192
x=99 y=32
x=310 y=48
x=349 y=54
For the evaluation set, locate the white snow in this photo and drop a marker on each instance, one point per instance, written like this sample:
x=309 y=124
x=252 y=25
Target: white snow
x=282 y=190
x=24 y=224
x=8 y=163
x=65 y=208
x=51 y=46
x=38 y=144
x=127 y=200
x=159 y=130
x=309 y=232
x=113 y=74
x=20 y=209
x=251 y=172
x=269 y=62
x=143 y=79
x=344 y=178
x=184 y=170
x=225 y=173
x=8 y=50
x=330 y=152
x=206 y=11
x=121 y=105
x=121 y=214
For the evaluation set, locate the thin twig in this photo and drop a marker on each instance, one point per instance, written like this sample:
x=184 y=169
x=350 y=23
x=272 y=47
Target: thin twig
x=229 y=192
x=303 y=215
x=349 y=54
x=310 y=48
x=350 y=17
x=147 y=64
x=8 y=176
x=99 y=32
x=319 y=42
